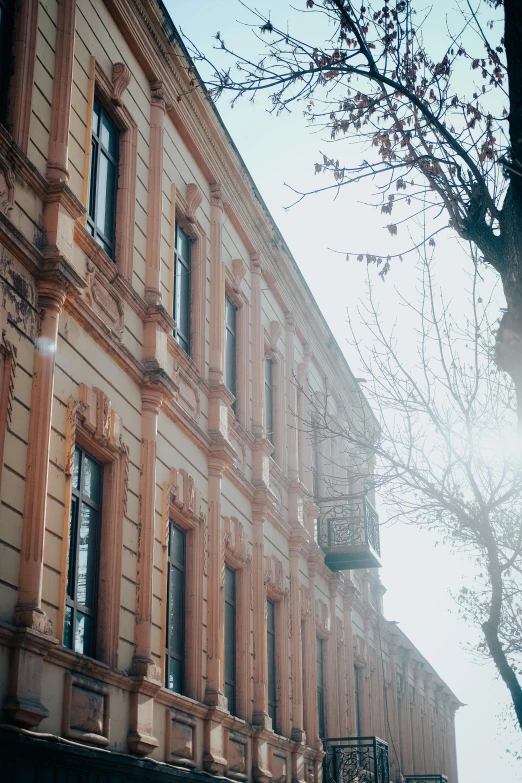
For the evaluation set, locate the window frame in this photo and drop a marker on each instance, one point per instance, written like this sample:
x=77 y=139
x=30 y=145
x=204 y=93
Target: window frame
x=88 y=428
x=179 y=336
x=271 y=657
x=93 y=186
x=232 y=707
x=320 y=683
x=78 y=498
x=182 y=567
x=269 y=401
x=234 y=334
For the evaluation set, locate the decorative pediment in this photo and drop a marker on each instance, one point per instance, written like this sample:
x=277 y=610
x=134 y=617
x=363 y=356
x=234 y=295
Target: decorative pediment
x=275 y=330
x=98 y=417
x=322 y=616
x=93 y=410
x=274 y=576
x=121 y=77
x=359 y=650
x=11 y=353
x=234 y=540
x=7 y=183
x=305 y=601
x=104 y=302
x=181 y=492
x=194 y=196
x=238 y=272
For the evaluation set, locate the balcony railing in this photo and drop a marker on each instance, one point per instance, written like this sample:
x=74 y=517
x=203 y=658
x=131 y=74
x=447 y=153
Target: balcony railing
x=355 y=760
x=348 y=534
x=425 y=779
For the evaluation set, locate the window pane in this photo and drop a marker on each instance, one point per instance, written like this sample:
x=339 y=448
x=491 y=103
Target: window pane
x=76 y=469
x=84 y=635
x=96 y=118
x=91 y=484
x=177 y=544
x=109 y=136
x=183 y=319
x=230 y=361
x=68 y=630
x=106 y=191
x=230 y=315
x=175 y=675
x=230 y=584
x=176 y=611
x=71 y=554
x=87 y=557
x=269 y=401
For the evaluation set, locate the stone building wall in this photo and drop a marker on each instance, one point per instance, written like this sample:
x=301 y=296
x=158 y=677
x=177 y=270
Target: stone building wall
x=89 y=361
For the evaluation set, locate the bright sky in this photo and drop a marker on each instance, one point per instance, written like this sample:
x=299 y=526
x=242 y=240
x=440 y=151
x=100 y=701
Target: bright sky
x=418 y=572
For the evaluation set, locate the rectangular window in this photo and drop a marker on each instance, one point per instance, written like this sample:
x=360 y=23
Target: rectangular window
x=181 y=309
x=271 y=656
x=6 y=35
x=230 y=347
x=84 y=555
x=175 y=638
x=357 y=701
x=269 y=401
x=315 y=464
x=229 y=652
x=320 y=688
x=103 y=181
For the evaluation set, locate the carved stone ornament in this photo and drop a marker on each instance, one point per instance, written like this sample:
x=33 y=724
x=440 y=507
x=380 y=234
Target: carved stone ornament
x=121 y=77
x=94 y=411
x=7 y=183
x=104 y=302
x=234 y=540
x=322 y=616
x=274 y=575
x=157 y=93
x=275 y=333
x=359 y=649
x=10 y=351
x=238 y=272
x=181 y=493
x=305 y=601
x=194 y=196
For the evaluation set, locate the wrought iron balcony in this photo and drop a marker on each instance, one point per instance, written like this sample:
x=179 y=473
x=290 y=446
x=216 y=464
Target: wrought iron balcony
x=355 y=760
x=348 y=534
x=425 y=779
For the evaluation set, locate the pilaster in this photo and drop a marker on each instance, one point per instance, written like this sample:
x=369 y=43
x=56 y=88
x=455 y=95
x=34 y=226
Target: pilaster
x=155 y=194
x=257 y=347
x=292 y=428
x=331 y=674
x=141 y=740
x=58 y=158
x=260 y=713
x=298 y=540
x=217 y=287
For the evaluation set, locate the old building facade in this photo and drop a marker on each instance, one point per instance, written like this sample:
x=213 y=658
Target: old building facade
x=169 y=606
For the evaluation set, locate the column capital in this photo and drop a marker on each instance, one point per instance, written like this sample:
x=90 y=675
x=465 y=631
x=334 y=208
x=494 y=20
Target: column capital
x=255 y=263
x=158 y=94
x=216 y=195
x=151 y=399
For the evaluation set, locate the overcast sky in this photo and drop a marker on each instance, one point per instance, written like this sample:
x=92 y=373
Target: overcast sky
x=418 y=571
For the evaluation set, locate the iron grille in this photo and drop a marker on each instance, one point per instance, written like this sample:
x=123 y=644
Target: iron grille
x=355 y=760
x=425 y=779
x=352 y=523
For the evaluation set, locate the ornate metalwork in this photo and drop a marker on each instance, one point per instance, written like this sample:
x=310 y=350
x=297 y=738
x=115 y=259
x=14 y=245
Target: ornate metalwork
x=425 y=779
x=355 y=760
x=346 y=530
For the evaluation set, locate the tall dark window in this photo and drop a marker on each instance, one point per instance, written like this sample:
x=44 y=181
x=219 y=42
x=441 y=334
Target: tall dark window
x=84 y=554
x=181 y=309
x=229 y=665
x=315 y=463
x=230 y=347
x=271 y=656
x=320 y=687
x=103 y=181
x=269 y=400
x=357 y=701
x=175 y=641
x=6 y=33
